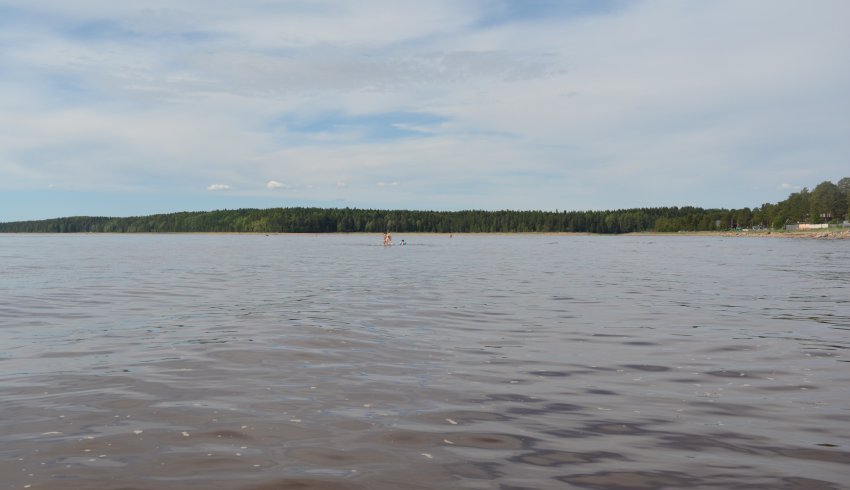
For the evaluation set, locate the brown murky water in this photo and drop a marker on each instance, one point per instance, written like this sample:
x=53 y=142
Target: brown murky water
x=473 y=362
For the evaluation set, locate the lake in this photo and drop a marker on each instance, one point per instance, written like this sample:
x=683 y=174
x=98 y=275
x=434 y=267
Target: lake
x=472 y=362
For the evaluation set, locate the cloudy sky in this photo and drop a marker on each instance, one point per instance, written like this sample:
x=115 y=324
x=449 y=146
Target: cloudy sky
x=136 y=107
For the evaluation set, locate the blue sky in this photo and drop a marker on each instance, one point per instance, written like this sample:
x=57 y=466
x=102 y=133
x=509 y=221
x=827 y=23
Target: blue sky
x=131 y=108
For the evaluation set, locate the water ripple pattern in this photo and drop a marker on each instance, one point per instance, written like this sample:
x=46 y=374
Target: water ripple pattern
x=471 y=362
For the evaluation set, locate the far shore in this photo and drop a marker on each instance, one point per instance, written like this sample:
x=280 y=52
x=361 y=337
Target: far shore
x=835 y=234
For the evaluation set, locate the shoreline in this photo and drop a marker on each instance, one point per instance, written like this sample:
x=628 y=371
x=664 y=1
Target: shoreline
x=843 y=234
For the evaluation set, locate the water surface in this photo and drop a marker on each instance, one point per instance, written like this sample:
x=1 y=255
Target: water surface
x=473 y=362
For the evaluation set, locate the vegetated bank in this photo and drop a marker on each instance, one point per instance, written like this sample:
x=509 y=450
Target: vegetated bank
x=827 y=203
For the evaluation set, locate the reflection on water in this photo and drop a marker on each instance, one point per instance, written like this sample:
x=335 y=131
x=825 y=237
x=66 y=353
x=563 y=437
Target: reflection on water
x=511 y=362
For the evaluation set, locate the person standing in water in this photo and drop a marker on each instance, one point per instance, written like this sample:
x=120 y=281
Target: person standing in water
x=388 y=239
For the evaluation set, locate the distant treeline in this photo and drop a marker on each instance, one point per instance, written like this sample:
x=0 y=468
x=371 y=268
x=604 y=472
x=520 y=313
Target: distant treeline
x=827 y=202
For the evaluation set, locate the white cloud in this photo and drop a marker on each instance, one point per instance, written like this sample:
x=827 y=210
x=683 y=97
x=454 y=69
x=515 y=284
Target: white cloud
x=644 y=105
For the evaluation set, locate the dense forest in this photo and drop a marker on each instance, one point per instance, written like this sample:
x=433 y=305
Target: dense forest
x=827 y=202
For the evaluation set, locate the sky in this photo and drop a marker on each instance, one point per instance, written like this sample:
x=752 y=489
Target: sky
x=140 y=107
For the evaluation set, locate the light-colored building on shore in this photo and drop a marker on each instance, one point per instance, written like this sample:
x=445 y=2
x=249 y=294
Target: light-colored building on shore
x=807 y=226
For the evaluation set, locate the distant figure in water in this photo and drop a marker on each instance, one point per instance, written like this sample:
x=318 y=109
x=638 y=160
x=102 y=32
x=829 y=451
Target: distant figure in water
x=403 y=242
x=388 y=239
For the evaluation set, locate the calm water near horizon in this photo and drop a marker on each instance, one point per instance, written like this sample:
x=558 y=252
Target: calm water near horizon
x=474 y=362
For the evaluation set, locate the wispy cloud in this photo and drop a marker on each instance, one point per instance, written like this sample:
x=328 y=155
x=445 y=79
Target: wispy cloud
x=568 y=105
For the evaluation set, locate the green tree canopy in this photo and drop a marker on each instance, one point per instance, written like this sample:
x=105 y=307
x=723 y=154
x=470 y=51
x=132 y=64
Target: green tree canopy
x=827 y=201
